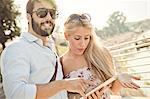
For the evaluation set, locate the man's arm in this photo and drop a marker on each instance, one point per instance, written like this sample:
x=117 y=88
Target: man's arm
x=49 y=89
x=15 y=69
x=75 y=85
x=16 y=73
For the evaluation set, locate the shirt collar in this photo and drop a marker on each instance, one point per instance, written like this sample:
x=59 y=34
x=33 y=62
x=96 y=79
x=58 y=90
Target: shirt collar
x=31 y=38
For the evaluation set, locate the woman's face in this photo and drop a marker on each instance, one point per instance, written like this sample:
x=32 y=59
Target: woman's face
x=79 y=40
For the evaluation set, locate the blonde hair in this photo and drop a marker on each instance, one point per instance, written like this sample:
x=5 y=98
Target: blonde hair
x=97 y=56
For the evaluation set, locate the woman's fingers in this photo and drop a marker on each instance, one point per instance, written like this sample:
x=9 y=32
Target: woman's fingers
x=134 y=85
x=101 y=91
x=136 y=78
x=127 y=85
x=130 y=85
x=99 y=94
x=90 y=97
x=94 y=96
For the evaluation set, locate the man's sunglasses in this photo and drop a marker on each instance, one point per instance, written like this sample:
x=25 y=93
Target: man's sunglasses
x=42 y=12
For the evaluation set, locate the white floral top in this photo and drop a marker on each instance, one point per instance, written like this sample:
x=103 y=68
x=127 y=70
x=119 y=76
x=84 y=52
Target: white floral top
x=86 y=73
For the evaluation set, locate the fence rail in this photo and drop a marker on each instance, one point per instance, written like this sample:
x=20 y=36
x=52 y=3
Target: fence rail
x=134 y=58
x=127 y=43
x=130 y=53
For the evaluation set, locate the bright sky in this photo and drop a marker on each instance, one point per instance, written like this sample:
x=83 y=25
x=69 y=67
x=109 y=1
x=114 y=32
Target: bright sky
x=100 y=10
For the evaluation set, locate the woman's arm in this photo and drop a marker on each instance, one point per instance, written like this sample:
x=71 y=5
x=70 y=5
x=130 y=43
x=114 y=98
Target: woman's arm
x=116 y=87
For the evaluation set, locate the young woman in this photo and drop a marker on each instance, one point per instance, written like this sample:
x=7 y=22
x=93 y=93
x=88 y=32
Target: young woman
x=87 y=58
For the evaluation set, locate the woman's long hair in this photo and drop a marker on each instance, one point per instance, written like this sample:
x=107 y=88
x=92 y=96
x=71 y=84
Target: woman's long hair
x=96 y=55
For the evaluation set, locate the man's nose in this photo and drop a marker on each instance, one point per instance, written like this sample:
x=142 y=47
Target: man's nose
x=48 y=16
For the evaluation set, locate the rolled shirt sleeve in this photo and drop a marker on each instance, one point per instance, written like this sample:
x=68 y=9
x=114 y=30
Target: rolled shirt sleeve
x=27 y=62
x=15 y=68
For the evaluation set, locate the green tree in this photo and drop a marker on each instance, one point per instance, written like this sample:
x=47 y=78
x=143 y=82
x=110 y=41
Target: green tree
x=8 y=26
x=117 y=23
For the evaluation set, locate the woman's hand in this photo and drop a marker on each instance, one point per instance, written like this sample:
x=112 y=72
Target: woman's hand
x=126 y=80
x=99 y=93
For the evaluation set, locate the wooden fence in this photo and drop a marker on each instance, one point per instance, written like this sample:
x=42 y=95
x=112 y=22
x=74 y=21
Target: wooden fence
x=133 y=57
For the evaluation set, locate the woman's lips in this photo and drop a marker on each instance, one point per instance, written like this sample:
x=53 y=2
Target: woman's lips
x=81 y=49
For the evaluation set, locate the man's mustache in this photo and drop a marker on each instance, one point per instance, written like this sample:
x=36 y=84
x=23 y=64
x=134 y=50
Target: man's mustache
x=47 y=22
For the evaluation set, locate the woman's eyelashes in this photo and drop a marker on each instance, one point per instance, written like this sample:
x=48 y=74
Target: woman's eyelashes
x=87 y=38
x=78 y=38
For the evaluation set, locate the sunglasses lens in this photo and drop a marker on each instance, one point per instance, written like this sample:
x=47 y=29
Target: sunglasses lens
x=42 y=12
x=86 y=16
x=53 y=13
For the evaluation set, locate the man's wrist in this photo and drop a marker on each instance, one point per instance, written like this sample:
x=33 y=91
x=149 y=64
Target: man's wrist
x=62 y=84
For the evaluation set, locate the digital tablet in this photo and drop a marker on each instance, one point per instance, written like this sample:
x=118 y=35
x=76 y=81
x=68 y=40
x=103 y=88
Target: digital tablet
x=107 y=82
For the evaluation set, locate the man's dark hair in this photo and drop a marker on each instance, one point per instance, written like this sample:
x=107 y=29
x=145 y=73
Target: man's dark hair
x=30 y=4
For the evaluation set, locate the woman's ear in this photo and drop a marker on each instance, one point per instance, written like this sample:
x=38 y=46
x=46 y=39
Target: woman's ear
x=66 y=35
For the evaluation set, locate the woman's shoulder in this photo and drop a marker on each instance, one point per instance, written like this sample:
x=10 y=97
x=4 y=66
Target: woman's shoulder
x=67 y=63
x=65 y=60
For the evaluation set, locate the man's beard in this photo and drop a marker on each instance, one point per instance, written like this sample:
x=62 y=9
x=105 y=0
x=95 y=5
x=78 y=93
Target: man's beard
x=37 y=28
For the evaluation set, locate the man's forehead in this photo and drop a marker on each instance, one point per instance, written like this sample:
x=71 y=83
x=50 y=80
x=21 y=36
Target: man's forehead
x=44 y=4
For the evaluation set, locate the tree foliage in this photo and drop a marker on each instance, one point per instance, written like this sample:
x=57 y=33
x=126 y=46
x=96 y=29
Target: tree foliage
x=8 y=26
x=116 y=24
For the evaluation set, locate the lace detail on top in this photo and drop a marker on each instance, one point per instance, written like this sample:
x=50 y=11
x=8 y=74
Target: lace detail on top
x=86 y=74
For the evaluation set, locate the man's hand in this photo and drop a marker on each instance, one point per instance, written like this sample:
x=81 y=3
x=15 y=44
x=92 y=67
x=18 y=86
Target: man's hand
x=77 y=85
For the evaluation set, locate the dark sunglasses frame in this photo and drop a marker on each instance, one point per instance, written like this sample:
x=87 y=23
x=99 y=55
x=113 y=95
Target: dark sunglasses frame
x=42 y=12
x=84 y=16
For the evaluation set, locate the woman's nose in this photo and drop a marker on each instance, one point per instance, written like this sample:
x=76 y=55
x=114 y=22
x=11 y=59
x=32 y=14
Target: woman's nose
x=82 y=43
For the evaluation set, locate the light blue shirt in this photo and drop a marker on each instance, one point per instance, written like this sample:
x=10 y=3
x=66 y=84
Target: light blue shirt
x=27 y=62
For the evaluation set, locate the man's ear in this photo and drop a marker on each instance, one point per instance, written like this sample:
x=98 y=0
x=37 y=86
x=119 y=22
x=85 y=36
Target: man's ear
x=28 y=17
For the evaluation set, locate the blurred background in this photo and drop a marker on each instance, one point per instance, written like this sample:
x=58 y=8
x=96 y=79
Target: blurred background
x=122 y=25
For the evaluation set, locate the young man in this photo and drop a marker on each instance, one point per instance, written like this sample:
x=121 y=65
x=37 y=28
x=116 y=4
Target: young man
x=29 y=64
